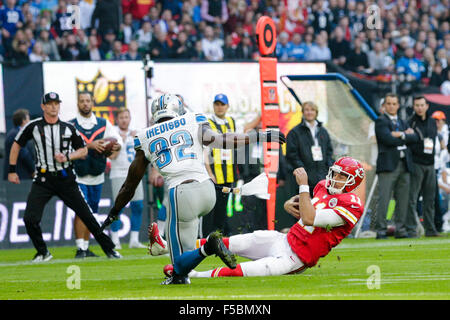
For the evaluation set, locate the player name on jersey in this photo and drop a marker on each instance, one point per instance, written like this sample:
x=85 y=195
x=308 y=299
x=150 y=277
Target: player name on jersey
x=164 y=127
x=175 y=148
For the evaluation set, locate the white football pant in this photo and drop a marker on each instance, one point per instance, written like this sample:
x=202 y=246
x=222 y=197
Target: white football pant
x=270 y=251
x=187 y=203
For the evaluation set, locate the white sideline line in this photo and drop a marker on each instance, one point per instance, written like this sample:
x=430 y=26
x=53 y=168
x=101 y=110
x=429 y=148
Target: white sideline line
x=395 y=243
x=59 y=261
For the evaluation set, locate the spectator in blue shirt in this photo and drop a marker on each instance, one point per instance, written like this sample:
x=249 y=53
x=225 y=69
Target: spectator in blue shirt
x=283 y=47
x=132 y=53
x=298 y=50
x=409 y=65
x=320 y=51
x=174 y=6
x=11 y=18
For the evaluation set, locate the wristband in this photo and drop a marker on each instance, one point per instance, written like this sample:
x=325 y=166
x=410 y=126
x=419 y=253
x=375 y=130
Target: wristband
x=303 y=188
x=12 y=168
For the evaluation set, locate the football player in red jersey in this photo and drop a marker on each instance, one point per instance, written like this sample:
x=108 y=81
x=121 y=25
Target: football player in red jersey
x=324 y=221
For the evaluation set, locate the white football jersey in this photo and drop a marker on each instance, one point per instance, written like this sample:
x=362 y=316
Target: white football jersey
x=175 y=148
x=120 y=165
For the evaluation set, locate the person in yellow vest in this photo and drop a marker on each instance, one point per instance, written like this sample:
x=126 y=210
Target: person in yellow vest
x=222 y=168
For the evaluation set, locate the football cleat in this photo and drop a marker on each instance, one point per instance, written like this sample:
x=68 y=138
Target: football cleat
x=90 y=254
x=176 y=279
x=42 y=257
x=215 y=245
x=80 y=254
x=157 y=245
x=114 y=255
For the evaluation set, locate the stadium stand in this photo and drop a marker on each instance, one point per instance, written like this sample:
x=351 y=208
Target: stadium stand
x=409 y=38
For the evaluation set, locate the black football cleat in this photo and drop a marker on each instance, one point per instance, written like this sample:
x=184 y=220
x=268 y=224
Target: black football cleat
x=176 y=279
x=90 y=254
x=215 y=245
x=80 y=254
x=114 y=255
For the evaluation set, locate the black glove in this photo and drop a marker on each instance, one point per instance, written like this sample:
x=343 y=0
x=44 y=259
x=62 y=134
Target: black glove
x=113 y=215
x=272 y=136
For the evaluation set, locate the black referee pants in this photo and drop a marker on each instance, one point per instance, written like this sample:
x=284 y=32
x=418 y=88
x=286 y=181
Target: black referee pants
x=44 y=187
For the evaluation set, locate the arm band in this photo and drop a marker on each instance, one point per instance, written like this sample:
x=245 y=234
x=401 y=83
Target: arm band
x=12 y=168
x=303 y=188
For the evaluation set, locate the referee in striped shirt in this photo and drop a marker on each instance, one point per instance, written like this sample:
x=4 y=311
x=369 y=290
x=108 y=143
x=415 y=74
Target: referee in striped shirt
x=57 y=144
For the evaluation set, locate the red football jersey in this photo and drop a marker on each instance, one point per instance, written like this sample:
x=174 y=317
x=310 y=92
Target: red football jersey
x=311 y=243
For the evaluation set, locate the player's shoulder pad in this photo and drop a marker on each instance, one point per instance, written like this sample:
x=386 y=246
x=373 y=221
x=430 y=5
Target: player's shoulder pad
x=319 y=186
x=349 y=206
x=350 y=199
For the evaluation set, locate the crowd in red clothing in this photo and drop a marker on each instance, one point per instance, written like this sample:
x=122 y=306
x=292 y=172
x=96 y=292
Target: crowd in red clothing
x=385 y=36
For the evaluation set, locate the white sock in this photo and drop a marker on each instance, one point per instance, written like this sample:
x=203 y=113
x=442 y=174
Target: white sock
x=86 y=244
x=200 y=274
x=80 y=243
x=161 y=227
x=134 y=236
x=115 y=237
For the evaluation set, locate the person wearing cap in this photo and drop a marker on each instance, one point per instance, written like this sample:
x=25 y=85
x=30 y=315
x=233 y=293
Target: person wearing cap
x=90 y=170
x=221 y=167
x=57 y=145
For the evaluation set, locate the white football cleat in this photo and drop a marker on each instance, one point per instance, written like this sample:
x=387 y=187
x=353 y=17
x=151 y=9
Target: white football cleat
x=157 y=245
x=42 y=257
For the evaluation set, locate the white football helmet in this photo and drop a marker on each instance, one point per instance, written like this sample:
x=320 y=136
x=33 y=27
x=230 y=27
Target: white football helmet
x=167 y=106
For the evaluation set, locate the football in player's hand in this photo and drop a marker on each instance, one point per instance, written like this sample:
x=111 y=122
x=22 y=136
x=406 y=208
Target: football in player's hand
x=168 y=270
x=108 y=144
x=296 y=200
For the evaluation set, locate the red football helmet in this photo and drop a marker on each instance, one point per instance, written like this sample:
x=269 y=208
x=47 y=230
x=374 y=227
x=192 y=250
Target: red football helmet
x=349 y=167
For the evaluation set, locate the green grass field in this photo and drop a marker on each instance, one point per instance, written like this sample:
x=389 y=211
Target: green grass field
x=408 y=269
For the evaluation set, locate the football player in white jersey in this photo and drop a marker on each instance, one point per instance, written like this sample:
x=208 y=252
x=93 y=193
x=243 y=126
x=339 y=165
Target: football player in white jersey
x=120 y=162
x=174 y=145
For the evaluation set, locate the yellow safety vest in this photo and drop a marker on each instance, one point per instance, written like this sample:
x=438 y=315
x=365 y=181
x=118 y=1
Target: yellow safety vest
x=223 y=170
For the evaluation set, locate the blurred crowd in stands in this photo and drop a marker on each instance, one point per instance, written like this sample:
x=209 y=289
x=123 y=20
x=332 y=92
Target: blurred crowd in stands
x=408 y=37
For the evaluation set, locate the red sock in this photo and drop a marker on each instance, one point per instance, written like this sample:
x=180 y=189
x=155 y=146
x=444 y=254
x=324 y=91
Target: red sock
x=226 y=242
x=227 y=272
x=200 y=242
